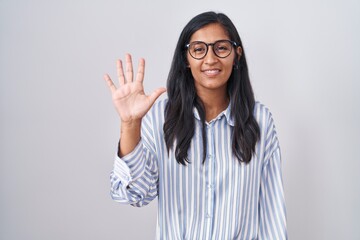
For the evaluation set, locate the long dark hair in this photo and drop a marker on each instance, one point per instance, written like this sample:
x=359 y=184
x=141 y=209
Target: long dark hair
x=179 y=126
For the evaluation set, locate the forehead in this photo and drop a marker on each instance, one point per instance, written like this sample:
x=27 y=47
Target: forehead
x=210 y=33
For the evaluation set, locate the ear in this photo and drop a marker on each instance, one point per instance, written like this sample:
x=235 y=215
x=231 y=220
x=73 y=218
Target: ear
x=239 y=52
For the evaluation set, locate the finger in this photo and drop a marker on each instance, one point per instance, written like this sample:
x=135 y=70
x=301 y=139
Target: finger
x=141 y=71
x=155 y=94
x=129 y=68
x=110 y=83
x=120 y=72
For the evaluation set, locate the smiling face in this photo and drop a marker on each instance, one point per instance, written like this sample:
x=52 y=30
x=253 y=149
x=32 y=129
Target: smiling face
x=211 y=73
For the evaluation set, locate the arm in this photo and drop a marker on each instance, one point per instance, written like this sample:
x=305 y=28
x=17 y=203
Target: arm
x=134 y=177
x=272 y=202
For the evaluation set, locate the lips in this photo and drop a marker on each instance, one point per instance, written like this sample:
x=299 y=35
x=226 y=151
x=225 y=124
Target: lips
x=211 y=72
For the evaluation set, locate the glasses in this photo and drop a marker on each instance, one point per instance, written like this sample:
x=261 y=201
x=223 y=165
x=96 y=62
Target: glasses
x=221 y=48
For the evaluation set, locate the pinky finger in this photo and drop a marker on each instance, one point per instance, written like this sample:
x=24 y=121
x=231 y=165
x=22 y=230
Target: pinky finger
x=110 y=83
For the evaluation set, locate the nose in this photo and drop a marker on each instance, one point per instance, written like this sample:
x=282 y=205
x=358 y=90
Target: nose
x=210 y=57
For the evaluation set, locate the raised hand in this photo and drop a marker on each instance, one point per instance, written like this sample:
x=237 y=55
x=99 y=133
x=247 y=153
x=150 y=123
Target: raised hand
x=129 y=99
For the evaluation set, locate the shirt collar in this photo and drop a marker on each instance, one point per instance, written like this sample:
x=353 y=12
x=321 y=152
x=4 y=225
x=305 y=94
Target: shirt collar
x=226 y=113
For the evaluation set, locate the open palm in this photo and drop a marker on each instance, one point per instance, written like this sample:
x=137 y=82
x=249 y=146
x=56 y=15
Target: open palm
x=129 y=99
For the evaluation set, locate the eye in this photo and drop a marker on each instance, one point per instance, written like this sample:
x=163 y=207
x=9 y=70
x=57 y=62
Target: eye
x=198 y=48
x=222 y=47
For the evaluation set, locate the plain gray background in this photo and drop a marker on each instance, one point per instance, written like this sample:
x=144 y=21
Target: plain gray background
x=59 y=130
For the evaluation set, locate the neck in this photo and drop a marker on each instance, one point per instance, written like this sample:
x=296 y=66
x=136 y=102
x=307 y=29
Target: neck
x=214 y=104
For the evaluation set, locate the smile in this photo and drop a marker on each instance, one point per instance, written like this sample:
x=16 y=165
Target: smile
x=211 y=72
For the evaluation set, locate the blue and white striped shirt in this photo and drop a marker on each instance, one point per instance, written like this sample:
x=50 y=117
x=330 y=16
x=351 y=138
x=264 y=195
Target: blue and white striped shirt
x=220 y=199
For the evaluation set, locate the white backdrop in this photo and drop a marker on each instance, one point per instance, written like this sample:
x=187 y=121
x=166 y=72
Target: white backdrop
x=58 y=128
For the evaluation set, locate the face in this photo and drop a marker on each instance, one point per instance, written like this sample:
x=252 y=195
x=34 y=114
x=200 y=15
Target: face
x=211 y=73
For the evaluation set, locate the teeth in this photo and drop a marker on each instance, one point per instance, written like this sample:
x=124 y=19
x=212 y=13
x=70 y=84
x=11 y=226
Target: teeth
x=212 y=71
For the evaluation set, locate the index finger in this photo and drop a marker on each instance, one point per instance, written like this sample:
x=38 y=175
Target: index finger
x=141 y=71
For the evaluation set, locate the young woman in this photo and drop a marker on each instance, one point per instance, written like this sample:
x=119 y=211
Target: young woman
x=209 y=152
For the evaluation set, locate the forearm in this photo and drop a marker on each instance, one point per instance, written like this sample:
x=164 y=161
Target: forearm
x=129 y=137
x=134 y=177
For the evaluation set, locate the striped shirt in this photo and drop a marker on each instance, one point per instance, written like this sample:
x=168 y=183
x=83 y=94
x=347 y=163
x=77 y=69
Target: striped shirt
x=220 y=199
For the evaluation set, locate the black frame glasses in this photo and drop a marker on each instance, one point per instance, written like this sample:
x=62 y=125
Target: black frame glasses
x=221 y=48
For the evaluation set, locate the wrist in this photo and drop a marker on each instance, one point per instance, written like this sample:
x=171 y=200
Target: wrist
x=130 y=125
x=130 y=136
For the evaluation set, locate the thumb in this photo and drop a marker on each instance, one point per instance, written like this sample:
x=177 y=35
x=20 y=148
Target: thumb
x=156 y=93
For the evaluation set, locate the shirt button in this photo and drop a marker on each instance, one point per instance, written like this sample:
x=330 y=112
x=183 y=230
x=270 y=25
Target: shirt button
x=208 y=216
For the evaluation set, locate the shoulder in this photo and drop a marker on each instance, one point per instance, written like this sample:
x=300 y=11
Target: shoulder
x=156 y=113
x=263 y=115
x=161 y=102
x=261 y=111
x=159 y=106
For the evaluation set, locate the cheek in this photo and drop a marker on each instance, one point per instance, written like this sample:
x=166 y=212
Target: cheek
x=231 y=63
x=187 y=60
x=195 y=67
x=194 y=73
x=190 y=62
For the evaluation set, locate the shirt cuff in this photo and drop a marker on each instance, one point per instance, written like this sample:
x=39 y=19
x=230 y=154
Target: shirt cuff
x=130 y=167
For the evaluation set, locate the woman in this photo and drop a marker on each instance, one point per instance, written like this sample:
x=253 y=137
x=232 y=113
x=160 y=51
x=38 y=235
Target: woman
x=209 y=152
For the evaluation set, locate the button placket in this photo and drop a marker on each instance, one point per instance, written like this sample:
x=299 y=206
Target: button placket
x=210 y=176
